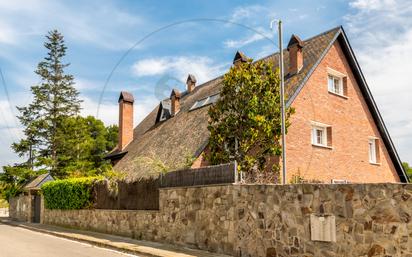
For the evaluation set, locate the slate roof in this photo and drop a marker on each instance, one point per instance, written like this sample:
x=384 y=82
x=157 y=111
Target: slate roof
x=38 y=181
x=168 y=144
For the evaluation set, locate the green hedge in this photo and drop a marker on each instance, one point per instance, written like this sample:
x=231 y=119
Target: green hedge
x=69 y=194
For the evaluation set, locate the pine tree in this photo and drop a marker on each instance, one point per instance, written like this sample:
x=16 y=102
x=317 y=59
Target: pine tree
x=54 y=99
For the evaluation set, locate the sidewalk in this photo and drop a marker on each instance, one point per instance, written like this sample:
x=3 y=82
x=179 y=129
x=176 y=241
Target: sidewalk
x=122 y=244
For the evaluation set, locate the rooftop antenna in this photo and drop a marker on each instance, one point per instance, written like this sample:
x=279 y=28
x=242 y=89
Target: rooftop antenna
x=282 y=96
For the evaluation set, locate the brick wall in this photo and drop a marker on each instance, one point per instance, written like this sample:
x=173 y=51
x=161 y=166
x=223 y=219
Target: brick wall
x=125 y=123
x=352 y=125
x=265 y=220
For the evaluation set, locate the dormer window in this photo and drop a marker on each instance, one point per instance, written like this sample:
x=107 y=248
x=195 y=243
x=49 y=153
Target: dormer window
x=164 y=115
x=164 y=111
x=337 y=83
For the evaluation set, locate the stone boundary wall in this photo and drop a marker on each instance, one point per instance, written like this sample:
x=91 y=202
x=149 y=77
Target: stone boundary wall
x=265 y=220
x=19 y=208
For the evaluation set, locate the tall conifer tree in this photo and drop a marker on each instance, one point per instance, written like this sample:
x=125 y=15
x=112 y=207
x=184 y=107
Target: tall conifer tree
x=54 y=99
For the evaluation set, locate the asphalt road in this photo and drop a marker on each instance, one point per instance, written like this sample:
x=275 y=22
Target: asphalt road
x=20 y=242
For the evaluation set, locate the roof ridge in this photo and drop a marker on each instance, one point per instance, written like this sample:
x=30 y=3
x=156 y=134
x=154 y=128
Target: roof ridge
x=184 y=93
x=305 y=40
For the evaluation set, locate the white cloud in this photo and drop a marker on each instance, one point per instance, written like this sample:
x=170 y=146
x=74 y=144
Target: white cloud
x=371 y=5
x=101 y=25
x=8 y=157
x=109 y=112
x=246 y=12
x=202 y=67
x=10 y=132
x=242 y=42
x=381 y=31
x=252 y=16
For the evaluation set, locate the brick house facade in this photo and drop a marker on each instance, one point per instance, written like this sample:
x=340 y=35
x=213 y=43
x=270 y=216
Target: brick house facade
x=336 y=135
x=351 y=123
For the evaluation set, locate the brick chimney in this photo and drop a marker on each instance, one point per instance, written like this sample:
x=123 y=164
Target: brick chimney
x=239 y=58
x=295 y=55
x=191 y=83
x=126 y=101
x=175 y=102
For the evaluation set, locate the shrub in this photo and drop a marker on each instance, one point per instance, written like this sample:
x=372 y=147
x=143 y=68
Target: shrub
x=69 y=194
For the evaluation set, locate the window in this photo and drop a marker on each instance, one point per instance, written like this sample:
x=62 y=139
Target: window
x=205 y=101
x=373 y=150
x=321 y=135
x=337 y=82
x=335 y=85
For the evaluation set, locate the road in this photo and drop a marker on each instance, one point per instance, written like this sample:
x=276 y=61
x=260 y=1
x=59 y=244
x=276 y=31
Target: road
x=20 y=242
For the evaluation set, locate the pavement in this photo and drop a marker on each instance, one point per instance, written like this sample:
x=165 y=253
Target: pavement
x=32 y=239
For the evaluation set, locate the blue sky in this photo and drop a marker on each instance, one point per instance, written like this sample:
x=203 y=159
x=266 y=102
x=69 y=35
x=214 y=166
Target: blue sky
x=99 y=33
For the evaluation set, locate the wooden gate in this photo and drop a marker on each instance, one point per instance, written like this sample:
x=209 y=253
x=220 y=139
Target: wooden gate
x=37 y=209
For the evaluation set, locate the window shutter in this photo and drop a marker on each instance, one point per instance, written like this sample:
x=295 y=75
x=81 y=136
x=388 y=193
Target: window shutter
x=377 y=152
x=329 y=136
x=345 y=86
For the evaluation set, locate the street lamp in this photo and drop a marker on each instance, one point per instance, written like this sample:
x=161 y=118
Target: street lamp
x=282 y=97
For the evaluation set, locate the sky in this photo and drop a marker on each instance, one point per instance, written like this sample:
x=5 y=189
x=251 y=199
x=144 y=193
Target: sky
x=148 y=47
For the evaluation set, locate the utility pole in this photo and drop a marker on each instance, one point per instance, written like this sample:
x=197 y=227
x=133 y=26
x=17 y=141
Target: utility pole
x=282 y=98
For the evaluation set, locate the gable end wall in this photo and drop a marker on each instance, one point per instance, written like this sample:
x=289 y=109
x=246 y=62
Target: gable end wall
x=352 y=125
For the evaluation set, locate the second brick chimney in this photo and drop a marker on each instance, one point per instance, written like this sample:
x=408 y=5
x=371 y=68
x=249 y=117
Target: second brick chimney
x=175 y=101
x=295 y=55
x=191 y=83
x=126 y=101
x=239 y=58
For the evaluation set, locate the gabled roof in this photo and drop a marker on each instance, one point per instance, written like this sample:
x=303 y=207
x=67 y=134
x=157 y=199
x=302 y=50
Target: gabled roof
x=38 y=181
x=171 y=143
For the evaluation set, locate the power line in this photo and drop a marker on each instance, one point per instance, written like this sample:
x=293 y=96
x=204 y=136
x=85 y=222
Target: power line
x=11 y=132
x=8 y=97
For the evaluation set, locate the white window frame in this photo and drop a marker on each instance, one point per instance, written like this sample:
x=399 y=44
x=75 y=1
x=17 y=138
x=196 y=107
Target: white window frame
x=204 y=101
x=335 y=76
x=317 y=126
x=373 y=155
x=322 y=140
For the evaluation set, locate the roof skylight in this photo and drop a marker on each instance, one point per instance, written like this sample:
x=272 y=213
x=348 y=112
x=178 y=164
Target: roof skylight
x=205 y=101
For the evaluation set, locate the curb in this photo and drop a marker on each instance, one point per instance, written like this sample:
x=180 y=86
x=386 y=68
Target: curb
x=91 y=242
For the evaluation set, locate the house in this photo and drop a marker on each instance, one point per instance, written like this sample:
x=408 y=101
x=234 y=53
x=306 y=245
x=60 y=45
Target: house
x=336 y=135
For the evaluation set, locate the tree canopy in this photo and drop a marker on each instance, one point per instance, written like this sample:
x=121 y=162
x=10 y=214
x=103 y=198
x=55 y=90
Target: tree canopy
x=56 y=138
x=83 y=143
x=54 y=99
x=408 y=170
x=245 y=123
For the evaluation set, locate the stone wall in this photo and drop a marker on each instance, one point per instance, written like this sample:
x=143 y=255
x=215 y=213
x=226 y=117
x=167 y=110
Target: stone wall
x=265 y=220
x=19 y=208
